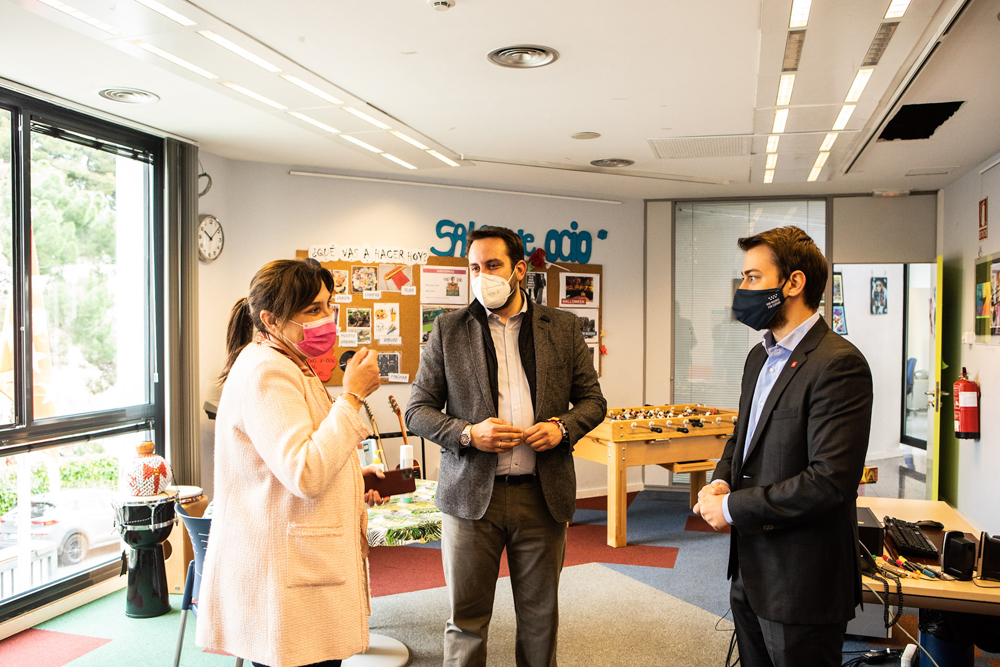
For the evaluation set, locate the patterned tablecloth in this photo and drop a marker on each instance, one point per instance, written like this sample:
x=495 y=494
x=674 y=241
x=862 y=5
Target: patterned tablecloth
x=398 y=523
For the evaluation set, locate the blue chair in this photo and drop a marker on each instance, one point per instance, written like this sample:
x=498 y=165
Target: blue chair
x=198 y=529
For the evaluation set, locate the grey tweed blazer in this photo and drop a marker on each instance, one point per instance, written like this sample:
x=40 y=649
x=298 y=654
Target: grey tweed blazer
x=454 y=388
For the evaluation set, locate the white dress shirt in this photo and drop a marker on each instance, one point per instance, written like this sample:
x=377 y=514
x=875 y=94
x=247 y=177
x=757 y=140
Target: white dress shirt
x=514 y=405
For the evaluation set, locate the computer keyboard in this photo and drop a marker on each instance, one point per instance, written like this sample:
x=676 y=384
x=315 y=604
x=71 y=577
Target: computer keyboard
x=909 y=539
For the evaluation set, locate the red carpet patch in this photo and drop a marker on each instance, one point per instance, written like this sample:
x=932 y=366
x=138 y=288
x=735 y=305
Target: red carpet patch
x=45 y=648
x=600 y=503
x=404 y=569
x=589 y=544
x=696 y=523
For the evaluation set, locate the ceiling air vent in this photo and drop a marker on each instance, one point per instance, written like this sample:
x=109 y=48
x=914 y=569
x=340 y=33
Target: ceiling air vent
x=129 y=95
x=613 y=162
x=720 y=146
x=930 y=171
x=793 y=50
x=523 y=56
x=918 y=121
x=879 y=44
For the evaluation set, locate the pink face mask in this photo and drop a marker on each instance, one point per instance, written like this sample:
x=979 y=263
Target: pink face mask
x=319 y=337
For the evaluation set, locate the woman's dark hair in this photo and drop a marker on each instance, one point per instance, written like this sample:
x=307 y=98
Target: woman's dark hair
x=515 y=248
x=794 y=250
x=282 y=287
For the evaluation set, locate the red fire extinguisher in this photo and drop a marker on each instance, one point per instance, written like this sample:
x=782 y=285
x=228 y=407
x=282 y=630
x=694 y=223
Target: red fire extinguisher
x=966 y=407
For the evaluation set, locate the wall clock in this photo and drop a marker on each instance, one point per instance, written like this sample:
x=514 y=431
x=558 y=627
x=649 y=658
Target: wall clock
x=210 y=238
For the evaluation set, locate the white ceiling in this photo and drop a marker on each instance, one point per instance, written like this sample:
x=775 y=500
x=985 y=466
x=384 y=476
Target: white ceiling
x=630 y=71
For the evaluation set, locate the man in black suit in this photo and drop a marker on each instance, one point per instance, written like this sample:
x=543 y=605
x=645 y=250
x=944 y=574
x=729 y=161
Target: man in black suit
x=787 y=481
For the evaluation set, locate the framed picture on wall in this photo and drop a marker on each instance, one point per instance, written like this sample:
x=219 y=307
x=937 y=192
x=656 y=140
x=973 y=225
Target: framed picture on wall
x=838 y=289
x=880 y=300
x=839 y=320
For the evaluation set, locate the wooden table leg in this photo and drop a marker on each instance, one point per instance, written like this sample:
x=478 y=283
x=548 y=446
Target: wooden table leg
x=697 y=481
x=617 y=500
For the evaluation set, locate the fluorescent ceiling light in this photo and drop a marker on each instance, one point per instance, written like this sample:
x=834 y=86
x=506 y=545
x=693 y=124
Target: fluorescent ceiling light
x=323 y=95
x=772 y=161
x=800 y=14
x=821 y=160
x=769 y=175
x=814 y=174
x=82 y=16
x=772 y=144
x=249 y=93
x=166 y=11
x=444 y=159
x=785 y=83
x=409 y=140
x=238 y=50
x=860 y=81
x=358 y=142
x=180 y=62
x=395 y=159
x=897 y=8
x=845 y=115
x=780 y=118
x=313 y=121
x=828 y=142
x=365 y=117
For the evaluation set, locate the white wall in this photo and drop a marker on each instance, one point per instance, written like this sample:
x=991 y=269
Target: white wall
x=979 y=460
x=268 y=214
x=880 y=339
x=884 y=229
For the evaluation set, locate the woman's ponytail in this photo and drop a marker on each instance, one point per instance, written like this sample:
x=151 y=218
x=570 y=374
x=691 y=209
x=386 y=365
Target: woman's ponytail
x=238 y=335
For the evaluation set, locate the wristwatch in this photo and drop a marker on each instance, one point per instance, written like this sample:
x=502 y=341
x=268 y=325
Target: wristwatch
x=466 y=438
x=562 y=427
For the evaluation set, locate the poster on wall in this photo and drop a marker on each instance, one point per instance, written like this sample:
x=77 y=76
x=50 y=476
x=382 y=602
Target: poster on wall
x=838 y=289
x=394 y=277
x=579 y=290
x=588 y=323
x=386 y=320
x=364 y=279
x=536 y=281
x=839 y=320
x=444 y=285
x=359 y=320
x=987 y=325
x=339 y=281
x=428 y=314
x=880 y=302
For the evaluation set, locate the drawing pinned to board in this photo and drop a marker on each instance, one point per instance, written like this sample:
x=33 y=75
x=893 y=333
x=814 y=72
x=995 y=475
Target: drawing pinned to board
x=428 y=314
x=839 y=320
x=388 y=362
x=589 y=326
x=536 y=281
x=838 y=289
x=394 y=277
x=880 y=299
x=364 y=279
x=580 y=290
x=340 y=284
x=359 y=320
x=386 y=320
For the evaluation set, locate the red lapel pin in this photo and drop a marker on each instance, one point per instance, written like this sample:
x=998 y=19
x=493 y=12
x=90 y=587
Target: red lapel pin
x=794 y=364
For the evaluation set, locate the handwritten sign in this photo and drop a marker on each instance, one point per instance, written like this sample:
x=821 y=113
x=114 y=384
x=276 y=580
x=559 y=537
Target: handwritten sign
x=366 y=254
x=399 y=377
x=347 y=339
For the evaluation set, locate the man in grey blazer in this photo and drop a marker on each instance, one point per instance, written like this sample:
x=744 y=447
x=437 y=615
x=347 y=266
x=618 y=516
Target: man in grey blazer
x=788 y=478
x=505 y=371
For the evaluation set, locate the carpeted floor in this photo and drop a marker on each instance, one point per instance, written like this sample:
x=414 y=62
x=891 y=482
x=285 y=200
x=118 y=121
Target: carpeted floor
x=656 y=602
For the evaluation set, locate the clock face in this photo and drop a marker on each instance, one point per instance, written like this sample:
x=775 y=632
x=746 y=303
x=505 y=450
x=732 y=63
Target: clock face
x=210 y=238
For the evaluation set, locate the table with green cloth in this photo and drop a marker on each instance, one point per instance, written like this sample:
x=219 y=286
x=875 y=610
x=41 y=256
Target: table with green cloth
x=409 y=519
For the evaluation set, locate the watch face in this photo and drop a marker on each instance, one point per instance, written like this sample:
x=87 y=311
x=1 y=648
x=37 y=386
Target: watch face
x=210 y=238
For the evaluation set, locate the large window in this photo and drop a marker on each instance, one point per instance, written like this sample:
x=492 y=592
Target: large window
x=710 y=345
x=79 y=348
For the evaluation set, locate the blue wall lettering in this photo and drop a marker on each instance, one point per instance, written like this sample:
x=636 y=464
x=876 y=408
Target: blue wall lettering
x=567 y=245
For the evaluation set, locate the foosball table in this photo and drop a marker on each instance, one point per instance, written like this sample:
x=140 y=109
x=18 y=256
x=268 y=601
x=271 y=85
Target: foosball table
x=681 y=438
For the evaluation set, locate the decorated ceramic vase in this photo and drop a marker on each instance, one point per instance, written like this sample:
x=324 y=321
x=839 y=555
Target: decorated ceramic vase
x=147 y=474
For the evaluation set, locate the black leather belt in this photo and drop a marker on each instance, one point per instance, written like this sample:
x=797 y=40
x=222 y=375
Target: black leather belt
x=512 y=480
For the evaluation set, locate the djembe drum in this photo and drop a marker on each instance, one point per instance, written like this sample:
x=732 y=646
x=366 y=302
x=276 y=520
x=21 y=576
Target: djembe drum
x=145 y=523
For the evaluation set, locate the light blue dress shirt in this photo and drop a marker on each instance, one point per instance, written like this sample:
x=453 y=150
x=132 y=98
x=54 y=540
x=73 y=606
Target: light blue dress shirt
x=777 y=357
x=514 y=401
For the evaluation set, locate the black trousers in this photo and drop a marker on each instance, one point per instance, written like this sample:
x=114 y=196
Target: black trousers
x=765 y=643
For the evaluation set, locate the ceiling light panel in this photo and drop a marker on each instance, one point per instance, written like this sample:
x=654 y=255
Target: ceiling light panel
x=800 y=14
x=447 y=160
x=366 y=117
x=772 y=161
x=814 y=174
x=897 y=8
x=408 y=139
x=170 y=57
x=163 y=10
x=401 y=163
x=360 y=143
x=768 y=175
x=860 y=81
x=315 y=123
x=821 y=160
x=879 y=44
x=793 y=50
x=253 y=95
x=828 y=141
x=843 y=117
x=785 y=84
x=84 y=17
x=772 y=144
x=235 y=48
x=310 y=88
x=780 y=118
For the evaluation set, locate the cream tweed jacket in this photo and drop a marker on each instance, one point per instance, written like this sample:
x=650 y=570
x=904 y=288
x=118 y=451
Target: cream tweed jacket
x=285 y=581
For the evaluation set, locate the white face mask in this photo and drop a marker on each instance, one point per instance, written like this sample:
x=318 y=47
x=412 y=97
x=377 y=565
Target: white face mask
x=492 y=291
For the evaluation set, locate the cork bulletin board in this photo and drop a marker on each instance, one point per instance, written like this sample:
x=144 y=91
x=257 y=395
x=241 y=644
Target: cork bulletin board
x=395 y=360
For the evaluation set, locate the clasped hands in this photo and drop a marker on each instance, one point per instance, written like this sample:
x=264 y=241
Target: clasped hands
x=496 y=435
x=709 y=504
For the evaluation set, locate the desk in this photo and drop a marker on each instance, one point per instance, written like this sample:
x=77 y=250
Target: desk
x=623 y=441
x=961 y=596
x=413 y=522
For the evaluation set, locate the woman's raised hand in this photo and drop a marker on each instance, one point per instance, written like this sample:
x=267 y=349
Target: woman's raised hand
x=361 y=374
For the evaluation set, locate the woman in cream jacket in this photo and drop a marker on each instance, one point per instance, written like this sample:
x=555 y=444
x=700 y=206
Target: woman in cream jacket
x=286 y=577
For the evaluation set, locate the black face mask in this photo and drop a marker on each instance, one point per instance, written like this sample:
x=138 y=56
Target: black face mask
x=757 y=307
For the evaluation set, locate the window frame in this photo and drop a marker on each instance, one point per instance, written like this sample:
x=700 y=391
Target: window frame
x=26 y=433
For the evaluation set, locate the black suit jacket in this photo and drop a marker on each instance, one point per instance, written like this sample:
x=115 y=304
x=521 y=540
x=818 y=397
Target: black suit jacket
x=793 y=497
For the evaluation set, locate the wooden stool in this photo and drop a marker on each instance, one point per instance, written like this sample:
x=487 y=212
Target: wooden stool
x=697 y=470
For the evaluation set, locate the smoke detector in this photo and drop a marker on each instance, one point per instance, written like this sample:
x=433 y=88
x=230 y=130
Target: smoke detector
x=441 y=5
x=129 y=95
x=523 y=56
x=613 y=162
